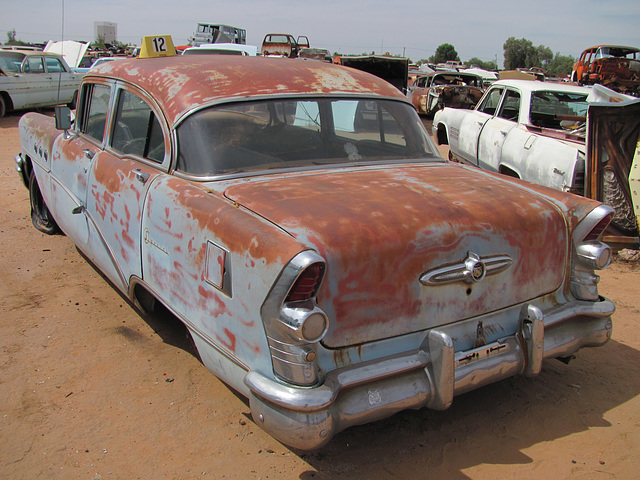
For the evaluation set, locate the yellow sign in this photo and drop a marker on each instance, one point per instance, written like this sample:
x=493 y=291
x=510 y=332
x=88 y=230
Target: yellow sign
x=157 y=46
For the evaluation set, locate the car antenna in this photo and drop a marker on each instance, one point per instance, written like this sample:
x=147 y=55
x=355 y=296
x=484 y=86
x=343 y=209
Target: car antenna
x=61 y=50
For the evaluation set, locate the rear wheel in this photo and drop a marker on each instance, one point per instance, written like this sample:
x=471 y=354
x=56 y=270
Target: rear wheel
x=40 y=215
x=3 y=106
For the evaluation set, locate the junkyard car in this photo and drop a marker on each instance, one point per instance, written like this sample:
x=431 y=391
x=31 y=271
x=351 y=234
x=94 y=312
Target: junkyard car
x=435 y=91
x=30 y=79
x=328 y=263
x=321 y=54
x=613 y=66
x=222 y=49
x=536 y=131
x=279 y=45
x=95 y=63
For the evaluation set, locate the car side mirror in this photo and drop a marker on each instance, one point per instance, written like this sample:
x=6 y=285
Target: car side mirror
x=63 y=118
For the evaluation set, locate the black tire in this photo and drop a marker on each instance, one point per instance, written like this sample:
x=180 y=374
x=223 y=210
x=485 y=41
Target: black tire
x=40 y=215
x=3 y=106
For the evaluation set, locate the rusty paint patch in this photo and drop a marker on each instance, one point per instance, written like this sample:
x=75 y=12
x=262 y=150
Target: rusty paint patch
x=381 y=229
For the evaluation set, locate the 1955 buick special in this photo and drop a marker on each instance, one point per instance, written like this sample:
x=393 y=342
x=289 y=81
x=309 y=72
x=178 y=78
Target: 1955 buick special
x=295 y=215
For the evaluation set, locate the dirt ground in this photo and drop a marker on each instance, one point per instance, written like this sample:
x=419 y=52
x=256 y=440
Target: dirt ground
x=91 y=389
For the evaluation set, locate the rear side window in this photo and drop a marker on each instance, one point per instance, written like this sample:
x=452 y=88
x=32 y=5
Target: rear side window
x=552 y=109
x=54 y=65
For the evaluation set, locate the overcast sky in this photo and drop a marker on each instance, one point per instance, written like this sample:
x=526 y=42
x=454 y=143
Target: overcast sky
x=476 y=28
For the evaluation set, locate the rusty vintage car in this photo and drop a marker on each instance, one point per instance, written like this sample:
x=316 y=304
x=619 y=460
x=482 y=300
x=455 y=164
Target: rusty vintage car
x=614 y=66
x=328 y=263
x=282 y=45
x=437 y=90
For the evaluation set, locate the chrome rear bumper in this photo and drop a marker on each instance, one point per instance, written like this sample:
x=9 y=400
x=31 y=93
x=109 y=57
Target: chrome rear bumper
x=307 y=418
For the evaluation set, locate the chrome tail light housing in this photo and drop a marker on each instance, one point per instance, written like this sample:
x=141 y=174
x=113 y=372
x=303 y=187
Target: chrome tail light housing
x=293 y=322
x=589 y=253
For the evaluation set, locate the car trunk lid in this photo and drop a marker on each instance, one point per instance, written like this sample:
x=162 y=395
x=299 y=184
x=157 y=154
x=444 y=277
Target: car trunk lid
x=382 y=230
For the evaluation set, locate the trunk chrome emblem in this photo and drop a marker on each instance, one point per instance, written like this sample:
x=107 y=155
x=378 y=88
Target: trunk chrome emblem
x=470 y=270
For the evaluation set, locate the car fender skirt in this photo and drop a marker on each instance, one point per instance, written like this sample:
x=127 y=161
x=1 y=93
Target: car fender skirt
x=307 y=418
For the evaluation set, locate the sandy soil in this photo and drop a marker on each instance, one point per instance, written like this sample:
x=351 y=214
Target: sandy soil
x=91 y=389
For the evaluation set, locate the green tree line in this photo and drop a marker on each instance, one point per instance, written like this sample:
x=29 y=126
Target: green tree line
x=518 y=53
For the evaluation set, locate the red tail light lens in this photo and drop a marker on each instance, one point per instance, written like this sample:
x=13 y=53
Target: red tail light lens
x=596 y=231
x=307 y=283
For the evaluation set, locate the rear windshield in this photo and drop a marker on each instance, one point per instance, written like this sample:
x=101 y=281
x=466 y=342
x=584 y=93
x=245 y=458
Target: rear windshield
x=558 y=109
x=278 y=39
x=271 y=134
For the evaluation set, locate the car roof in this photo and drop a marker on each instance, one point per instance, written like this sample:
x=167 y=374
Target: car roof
x=30 y=52
x=632 y=49
x=183 y=83
x=536 y=85
x=454 y=73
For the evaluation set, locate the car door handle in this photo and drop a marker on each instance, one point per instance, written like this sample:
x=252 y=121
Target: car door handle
x=142 y=177
x=504 y=134
x=88 y=153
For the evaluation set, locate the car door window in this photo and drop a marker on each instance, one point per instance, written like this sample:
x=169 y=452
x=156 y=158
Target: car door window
x=511 y=106
x=136 y=130
x=34 y=65
x=491 y=101
x=93 y=109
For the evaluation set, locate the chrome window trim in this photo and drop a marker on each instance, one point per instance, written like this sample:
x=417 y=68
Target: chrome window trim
x=426 y=162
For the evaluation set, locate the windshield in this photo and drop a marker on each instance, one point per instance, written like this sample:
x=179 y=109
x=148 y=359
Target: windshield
x=278 y=39
x=10 y=62
x=260 y=135
x=558 y=109
x=465 y=80
x=618 y=52
x=211 y=51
